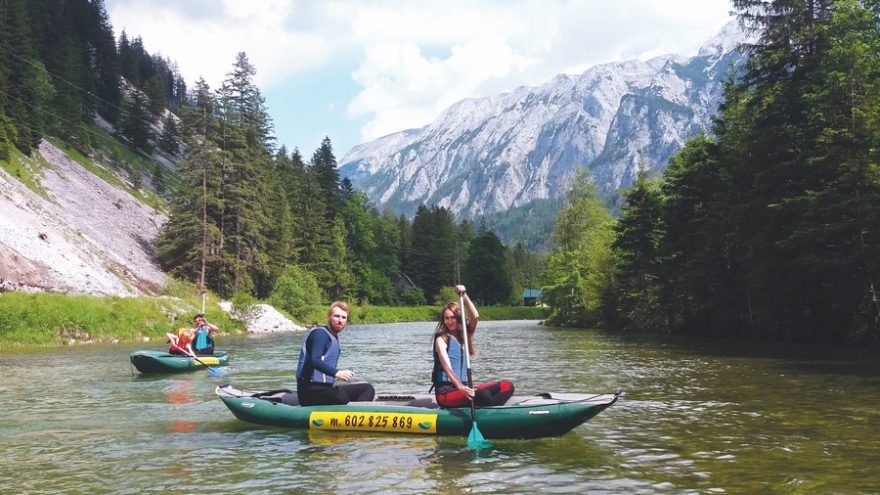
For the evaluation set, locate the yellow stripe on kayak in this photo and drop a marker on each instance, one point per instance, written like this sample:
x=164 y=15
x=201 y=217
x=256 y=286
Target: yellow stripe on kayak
x=373 y=421
x=206 y=360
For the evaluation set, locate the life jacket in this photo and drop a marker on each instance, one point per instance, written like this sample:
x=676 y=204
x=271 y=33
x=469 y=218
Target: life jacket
x=203 y=339
x=330 y=356
x=184 y=337
x=455 y=351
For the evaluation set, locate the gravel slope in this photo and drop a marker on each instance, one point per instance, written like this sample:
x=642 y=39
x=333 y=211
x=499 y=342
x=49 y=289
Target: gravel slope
x=89 y=237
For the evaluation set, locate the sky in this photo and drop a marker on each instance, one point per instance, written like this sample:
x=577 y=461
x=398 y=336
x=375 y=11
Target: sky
x=356 y=70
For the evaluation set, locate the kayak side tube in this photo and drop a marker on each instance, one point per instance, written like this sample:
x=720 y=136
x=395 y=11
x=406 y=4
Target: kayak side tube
x=544 y=415
x=147 y=361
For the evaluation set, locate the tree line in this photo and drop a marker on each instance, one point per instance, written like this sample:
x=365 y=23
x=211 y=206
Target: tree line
x=251 y=219
x=765 y=228
x=246 y=217
x=768 y=228
x=61 y=68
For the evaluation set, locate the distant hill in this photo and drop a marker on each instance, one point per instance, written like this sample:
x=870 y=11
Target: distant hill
x=486 y=156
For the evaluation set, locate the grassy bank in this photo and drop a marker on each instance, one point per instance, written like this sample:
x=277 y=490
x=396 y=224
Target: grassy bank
x=395 y=314
x=43 y=319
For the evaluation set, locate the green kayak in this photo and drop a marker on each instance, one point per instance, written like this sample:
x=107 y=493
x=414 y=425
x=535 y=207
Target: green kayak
x=164 y=362
x=542 y=415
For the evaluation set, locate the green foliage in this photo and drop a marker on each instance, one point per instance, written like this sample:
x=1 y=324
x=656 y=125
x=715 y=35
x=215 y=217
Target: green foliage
x=486 y=276
x=182 y=289
x=411 y=297
x=431 y=260
x=579 y=269
x=240 y=213
x=170 y=140
x=530 y=224
x=8 y=133
x=769 y=230
x=446 y=295
x=632 y=299
x=295 y=292
x=53 y=319
x=28 y=170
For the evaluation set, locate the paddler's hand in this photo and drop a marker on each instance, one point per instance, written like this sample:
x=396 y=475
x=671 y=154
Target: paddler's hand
x=467 y=391
x=344 y=375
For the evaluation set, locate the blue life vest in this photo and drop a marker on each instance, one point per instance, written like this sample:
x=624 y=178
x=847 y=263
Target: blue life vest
x=203 y=339
x=456 y=361
x=331 y=356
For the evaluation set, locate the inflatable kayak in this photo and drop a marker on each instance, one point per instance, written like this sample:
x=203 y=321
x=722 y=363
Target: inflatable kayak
x=164 y=362
x=542 y=415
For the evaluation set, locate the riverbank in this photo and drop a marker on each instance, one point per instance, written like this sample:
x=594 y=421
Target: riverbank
x=48 y=319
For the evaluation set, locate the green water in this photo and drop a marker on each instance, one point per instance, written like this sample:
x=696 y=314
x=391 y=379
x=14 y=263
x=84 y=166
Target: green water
x=695 y=418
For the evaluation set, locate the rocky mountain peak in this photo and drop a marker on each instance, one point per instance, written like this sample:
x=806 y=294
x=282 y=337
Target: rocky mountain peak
x=486 y=155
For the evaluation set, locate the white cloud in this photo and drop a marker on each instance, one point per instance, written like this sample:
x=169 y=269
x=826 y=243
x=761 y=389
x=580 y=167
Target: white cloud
x=422 y=57
x=207 y=46
x=410 y=60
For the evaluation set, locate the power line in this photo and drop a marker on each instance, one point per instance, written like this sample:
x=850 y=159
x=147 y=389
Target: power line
x=82 y=127
x=122 y=111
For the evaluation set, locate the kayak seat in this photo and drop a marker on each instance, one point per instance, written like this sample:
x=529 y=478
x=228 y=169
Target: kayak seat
x=427 y=402
x=409 y=400
x=279 y=396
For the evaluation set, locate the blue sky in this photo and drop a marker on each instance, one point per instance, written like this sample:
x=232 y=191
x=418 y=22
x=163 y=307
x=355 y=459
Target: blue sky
x=356 y=70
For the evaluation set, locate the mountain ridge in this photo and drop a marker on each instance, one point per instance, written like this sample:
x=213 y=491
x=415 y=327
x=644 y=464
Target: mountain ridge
x=482 y=156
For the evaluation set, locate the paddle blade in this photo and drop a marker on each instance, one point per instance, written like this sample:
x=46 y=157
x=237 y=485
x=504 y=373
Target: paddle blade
x=216 y=371
x=475 y=439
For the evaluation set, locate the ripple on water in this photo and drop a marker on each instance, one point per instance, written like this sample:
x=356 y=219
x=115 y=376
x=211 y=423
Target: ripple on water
x=694 y=419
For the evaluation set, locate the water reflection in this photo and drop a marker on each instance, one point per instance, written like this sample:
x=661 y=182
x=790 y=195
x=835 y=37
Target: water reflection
x=704 y=417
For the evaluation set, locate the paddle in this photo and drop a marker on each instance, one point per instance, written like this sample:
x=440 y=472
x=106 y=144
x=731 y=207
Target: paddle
x=475 y=437
x=211 y=371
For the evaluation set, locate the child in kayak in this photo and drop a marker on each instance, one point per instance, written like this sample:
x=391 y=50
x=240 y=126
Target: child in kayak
x=181 y=343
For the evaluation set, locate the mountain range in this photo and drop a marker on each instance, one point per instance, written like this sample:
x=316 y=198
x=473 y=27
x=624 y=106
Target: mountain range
x=485 y=156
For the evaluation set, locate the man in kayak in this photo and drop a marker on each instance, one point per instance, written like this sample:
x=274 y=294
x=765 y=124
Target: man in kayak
x=450 y=366
x=316 y=371
x=203 y=342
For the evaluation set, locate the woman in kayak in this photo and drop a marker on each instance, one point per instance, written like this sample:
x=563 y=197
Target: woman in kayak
x=450 y=366
x=316 y=370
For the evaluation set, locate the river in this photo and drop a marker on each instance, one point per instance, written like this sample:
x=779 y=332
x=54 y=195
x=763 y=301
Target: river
x=707 y=417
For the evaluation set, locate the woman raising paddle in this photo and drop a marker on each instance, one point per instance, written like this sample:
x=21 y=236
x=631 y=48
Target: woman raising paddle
x=450 y=365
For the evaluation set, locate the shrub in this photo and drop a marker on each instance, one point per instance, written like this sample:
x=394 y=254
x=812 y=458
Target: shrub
x=296 y=291
x=412 y=297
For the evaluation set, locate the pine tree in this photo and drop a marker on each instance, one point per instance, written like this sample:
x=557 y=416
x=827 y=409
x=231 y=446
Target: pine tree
x=190 y=243
x=136 y=122
x=104 y=61
x=244 y=139
x=25 y=88
x=323 y=164
x=633 y=300
x=579 y=268
x=486 y=272
x=431 y=257
x=170 y=140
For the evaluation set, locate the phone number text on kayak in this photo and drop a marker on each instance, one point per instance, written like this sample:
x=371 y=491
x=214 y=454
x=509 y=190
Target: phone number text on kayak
x=373 y=421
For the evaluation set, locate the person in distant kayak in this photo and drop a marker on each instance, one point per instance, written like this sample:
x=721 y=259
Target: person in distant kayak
x=203 y=341
x=181 y=343
x=316 y=371
x=450 y=367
